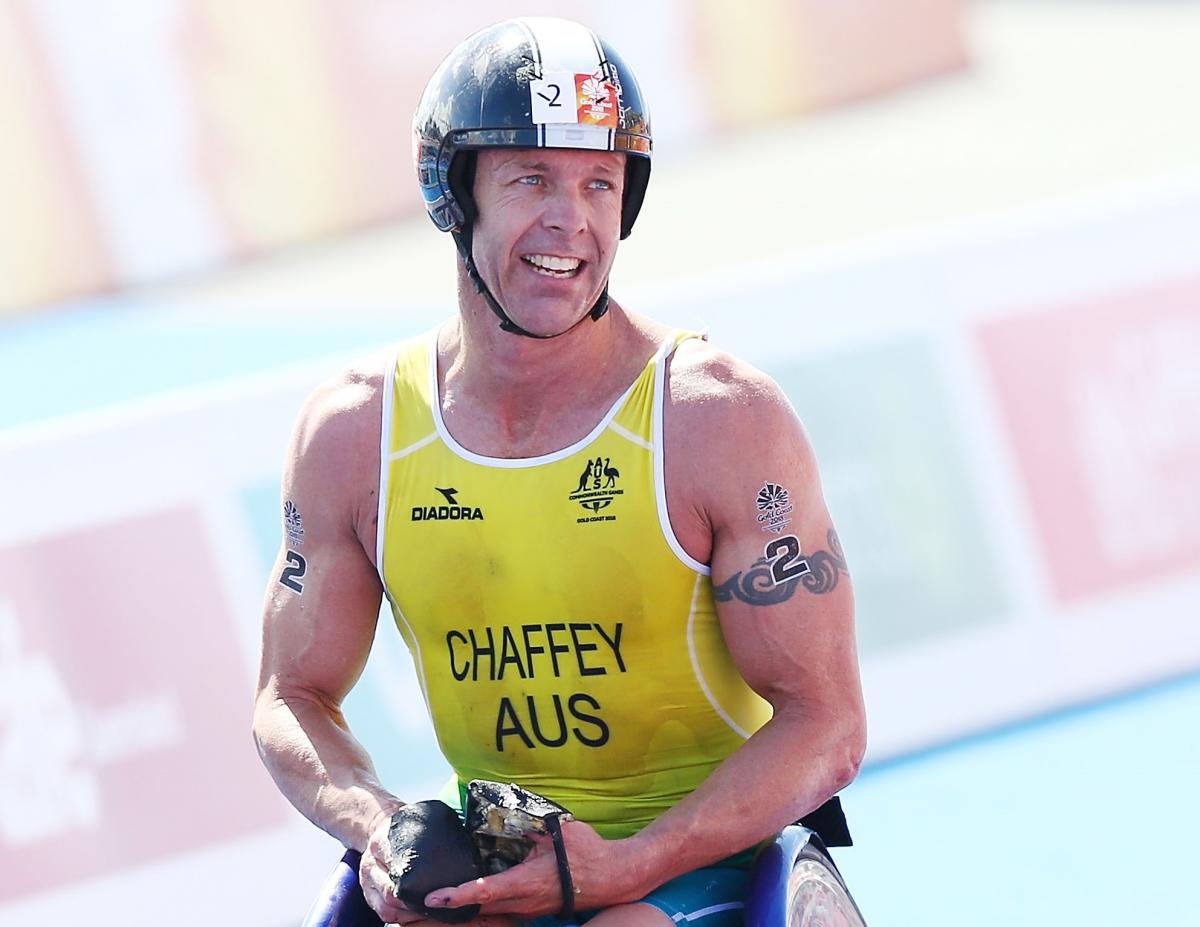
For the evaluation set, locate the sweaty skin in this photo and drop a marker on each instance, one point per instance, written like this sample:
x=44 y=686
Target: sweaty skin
x=728 y=430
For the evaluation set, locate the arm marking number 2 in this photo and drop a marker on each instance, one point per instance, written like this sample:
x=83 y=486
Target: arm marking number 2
x=292 y=573
x=786 y=562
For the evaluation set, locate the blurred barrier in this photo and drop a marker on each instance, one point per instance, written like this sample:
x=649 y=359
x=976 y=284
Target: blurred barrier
x=144 y=141
x=1006 y=416
x=127 y=593
x=1099 y=397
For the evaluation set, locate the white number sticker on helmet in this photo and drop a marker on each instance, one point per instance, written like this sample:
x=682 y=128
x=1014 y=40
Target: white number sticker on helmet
x=554 y=98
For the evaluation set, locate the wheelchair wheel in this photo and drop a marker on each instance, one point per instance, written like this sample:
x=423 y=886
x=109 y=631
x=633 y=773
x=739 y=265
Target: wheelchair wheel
x=816 y=894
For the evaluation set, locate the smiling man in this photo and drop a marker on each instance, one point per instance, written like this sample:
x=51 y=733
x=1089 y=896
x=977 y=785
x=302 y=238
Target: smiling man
x=603 y=541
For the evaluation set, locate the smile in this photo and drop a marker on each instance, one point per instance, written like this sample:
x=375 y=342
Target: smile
x=549 y=265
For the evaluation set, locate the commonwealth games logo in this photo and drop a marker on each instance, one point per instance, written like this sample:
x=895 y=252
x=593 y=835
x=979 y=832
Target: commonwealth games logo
x=597 y=488
x=774 y=507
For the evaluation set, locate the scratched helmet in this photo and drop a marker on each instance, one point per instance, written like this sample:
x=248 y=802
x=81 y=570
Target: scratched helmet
x=526 y=83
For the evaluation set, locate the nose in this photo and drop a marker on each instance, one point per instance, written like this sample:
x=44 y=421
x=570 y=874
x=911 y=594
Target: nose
x=566 y=211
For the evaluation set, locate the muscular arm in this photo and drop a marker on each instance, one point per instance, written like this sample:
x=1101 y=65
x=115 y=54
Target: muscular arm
x=785 y=604
x=318 y=625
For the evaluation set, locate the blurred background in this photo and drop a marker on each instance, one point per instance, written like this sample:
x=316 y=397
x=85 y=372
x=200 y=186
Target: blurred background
x=965 y=237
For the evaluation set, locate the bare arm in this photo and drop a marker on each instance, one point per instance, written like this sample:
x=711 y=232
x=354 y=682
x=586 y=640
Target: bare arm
x=785 y=603
x=320 y=614
x=321 y=609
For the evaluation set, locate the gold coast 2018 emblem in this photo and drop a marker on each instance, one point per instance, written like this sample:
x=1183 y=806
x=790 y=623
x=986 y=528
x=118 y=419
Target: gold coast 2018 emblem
x=597 y=489
x=774 y=507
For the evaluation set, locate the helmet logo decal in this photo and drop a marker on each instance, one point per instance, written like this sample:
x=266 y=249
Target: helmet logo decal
x=561 y=97
x=596 y=100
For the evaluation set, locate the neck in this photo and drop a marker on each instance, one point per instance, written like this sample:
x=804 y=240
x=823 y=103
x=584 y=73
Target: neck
x=509 y=365
x=510 y=395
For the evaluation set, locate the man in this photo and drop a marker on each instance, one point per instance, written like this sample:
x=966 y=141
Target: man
x=543 y=489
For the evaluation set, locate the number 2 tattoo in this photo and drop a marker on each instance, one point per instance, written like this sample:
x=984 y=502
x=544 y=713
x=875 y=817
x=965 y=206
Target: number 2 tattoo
x=294 y=572
x=772 y=577
x=297 y=566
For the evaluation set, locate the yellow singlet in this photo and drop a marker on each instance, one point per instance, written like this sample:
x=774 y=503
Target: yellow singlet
x=563 y=638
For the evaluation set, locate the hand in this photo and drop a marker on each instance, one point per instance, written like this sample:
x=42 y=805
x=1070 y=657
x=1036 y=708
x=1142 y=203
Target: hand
x=375 y=878
x=600 y=870
x=379 y=889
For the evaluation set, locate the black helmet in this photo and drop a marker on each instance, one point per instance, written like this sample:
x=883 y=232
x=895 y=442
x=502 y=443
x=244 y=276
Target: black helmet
x=526 y=83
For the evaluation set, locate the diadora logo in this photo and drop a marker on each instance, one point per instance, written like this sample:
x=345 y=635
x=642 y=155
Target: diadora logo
x=452 y=511
x=597 y=489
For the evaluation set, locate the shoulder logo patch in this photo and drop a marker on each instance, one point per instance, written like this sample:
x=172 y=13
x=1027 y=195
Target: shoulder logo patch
x=597 y=489
x=452 y=511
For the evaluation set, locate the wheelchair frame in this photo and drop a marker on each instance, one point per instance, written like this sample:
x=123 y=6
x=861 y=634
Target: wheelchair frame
x=340 y=902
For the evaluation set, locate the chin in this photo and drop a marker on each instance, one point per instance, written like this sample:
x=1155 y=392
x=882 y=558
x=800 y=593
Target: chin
x=549 y=326
x=548 y=316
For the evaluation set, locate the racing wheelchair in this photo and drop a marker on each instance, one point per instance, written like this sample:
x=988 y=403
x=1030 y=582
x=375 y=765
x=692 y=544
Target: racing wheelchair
x=793 y=882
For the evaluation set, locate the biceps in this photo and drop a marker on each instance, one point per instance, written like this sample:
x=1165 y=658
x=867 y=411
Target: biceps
x=319 y=621
x=786 y=608
x=780 y=569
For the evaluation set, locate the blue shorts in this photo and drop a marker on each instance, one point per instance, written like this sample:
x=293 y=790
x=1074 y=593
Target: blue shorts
x=710 y=897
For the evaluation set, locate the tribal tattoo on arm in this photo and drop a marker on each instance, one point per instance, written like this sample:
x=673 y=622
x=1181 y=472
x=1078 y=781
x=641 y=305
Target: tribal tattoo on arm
x=772 y=578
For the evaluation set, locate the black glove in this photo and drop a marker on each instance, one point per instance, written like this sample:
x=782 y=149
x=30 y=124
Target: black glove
x=431 y=849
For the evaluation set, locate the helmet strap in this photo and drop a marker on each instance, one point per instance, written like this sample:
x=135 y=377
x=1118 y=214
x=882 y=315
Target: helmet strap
x=463 y=239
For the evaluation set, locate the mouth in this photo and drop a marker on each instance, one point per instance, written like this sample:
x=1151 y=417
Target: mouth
x=551 y=265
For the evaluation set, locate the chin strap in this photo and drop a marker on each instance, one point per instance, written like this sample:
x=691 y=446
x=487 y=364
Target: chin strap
x=462 y=238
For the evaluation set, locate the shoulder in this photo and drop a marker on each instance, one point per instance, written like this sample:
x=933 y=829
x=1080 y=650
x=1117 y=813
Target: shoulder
x=729 y=428
x=337 y=430
x=331 y=470
x=719 y=396
x=340 y=409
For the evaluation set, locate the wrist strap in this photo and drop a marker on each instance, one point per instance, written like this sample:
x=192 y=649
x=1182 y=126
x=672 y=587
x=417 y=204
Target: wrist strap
x=567 y=914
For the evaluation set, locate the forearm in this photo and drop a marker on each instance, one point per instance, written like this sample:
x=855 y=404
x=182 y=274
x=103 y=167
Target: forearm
x=320 y=767
x=786 y=769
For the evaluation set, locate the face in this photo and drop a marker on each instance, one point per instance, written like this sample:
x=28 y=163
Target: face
x=547 y=232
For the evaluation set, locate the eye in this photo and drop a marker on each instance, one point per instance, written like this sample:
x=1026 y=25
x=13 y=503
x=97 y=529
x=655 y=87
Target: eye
x=530 y=179
x=601 y=184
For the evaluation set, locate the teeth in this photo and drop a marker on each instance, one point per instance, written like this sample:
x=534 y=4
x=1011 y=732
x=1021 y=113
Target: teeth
x=554 y=263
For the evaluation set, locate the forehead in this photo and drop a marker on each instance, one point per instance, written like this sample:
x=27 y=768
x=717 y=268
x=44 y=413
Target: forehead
x=551 y=159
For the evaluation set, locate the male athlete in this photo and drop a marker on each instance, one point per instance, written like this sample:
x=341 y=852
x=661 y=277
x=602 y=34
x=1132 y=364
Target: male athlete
x=603 y=541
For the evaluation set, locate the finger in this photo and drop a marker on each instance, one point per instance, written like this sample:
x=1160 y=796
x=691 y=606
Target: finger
x=479 y=891
x=383 y=901
x=542 y=844
x=387 y=909
x=501 y=893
